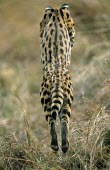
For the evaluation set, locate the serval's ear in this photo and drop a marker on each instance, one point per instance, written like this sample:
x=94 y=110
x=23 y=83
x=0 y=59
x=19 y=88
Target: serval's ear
x=65 y=7
x=48 y=8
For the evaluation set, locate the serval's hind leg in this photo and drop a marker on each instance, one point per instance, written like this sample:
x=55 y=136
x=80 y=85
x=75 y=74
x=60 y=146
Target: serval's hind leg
x=64 y=119
x=51 y=123
x=46 y=102
x=54 y=142
x=65 y=114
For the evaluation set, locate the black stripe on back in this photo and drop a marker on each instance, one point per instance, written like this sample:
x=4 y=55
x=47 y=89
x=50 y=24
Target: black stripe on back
x=57 y=101
x=55 y=107
x=57 y=96
x=61 y=12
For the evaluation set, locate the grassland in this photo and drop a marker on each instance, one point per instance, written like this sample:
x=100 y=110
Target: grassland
x=24 y=135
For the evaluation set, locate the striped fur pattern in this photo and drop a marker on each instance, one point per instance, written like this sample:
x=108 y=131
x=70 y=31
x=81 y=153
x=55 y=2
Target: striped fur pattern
x=57 y=38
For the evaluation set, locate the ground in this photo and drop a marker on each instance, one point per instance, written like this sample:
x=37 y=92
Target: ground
x=24 y=134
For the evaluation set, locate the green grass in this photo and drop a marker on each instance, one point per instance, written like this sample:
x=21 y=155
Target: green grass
x=24 y=134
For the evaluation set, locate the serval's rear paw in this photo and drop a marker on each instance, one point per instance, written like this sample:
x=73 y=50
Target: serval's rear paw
x=65 y=147
x=54 y=146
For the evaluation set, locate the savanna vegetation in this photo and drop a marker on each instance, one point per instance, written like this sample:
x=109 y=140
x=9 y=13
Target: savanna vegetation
x=24 y=135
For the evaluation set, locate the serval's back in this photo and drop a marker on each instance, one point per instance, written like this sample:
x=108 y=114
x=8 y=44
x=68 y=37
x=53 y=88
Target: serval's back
x=57 y=38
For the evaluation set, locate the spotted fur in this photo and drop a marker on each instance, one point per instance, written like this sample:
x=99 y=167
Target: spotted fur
x=57 y=38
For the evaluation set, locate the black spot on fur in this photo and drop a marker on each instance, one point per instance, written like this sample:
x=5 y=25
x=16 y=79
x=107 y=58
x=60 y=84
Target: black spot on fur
x=52 y=10
x=50 y=40
x=67 y=15
x=66 y=49
x=49 y=44
x=61 y=50
x=42 y=100
x=44 y=16
x=46 y=116
x=68 y=91
x=50 y=24
x=47 y=38
x=58 y=19
x=71 y=97
x=45 y=50
x=45 y=108
x=47 y=100
x=45 y=92
x=51 y=31
x=70 y=34
x=50 y=52
x=50 y=15
x=60 y=37
x=53 y=18
x=60 y=25
x=61 y=43
x=45 y=34
x=43 y=45
x=65 y=42
x=69 y=102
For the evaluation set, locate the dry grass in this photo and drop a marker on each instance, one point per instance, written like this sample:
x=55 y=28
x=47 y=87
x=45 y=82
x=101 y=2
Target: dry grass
x=24 y=135
x=89 y=149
